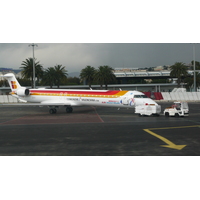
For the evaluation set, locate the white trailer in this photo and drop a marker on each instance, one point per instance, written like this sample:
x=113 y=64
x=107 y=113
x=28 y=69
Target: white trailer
x=148 y=109
x=177 y=109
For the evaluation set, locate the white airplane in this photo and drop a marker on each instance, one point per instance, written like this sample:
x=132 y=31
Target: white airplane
x=53 y=98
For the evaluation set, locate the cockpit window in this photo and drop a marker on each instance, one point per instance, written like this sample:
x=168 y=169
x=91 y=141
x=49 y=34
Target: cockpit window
x=140 y=96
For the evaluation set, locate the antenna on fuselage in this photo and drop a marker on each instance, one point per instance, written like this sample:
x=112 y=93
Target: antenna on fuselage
x=120 y=89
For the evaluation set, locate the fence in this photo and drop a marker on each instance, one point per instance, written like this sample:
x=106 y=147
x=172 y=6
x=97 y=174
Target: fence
x=8 y=99
x=174 y=96
x=181 y=96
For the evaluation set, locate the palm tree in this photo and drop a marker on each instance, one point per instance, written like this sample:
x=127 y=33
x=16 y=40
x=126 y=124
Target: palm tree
x=54 y=75
x=109 y=76
x=60 y=74
x=27 y=70
x=105 y=75
x=87 y=74
x=99 y=76
x=178 y=70
x=49 y=76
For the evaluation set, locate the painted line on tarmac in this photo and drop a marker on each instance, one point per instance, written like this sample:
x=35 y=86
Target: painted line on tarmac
x=165 y=140
x=97 y=114
x=13 y=120
x=174 y=127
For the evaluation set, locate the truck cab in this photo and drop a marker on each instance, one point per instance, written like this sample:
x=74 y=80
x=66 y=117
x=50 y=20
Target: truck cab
x=177 y=109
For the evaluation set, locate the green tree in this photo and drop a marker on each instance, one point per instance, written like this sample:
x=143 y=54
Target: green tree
x=105 y=75
x=54 y=76
x=178 y=70
x=24 y=81
x=87 y=74
x=27 y=70
x=60 y=74
x=49 y=76
x=99 y=76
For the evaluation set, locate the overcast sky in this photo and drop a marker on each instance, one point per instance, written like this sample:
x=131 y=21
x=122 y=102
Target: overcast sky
x=75 y=56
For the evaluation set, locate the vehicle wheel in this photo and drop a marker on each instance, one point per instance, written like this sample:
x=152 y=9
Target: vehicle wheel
x=176 y=115
x=55 y=111
x=166 y=114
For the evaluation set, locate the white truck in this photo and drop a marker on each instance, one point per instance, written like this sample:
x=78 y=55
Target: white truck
x=177 y=109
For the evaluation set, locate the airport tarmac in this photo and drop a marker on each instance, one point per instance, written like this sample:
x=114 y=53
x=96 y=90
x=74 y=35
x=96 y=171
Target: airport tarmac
x=97 y=131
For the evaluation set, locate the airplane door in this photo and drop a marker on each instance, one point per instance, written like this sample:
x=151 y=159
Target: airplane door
x=127 y=101
x=124 y=100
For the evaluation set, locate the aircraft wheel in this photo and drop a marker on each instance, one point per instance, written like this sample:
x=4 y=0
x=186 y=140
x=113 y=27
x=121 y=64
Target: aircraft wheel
x=52 y=111
x=69 y=109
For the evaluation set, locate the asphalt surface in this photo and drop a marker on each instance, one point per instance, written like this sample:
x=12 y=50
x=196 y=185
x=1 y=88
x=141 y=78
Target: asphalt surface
x=97 y=131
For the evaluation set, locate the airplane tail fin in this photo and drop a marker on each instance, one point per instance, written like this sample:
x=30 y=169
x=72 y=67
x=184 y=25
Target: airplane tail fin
x=14 y=84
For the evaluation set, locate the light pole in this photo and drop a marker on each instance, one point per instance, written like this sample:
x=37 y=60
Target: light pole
x=194 y=68
x=33 y=45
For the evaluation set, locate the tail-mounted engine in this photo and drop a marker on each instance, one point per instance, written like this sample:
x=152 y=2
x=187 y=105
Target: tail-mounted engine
x=23 y=92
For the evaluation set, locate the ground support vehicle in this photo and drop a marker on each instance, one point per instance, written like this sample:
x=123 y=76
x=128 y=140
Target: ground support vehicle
x=148 y=109
x=177 y=109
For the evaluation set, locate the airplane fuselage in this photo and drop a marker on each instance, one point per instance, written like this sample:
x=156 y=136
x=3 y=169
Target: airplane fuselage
x=111 y=98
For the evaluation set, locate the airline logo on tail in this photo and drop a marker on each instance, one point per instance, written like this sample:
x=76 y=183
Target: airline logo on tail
x=14 y=84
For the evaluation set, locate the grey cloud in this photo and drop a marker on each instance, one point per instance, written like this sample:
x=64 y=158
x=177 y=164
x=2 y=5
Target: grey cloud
x=76 y=56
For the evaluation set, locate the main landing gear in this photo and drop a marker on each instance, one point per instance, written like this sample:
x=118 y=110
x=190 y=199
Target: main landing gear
x=69 y=109
x=53 y=110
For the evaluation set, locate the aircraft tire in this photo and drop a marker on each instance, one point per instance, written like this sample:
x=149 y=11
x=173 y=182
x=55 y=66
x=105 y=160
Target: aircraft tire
x=52 y=111
x=69 y=109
